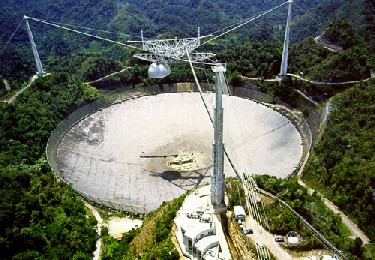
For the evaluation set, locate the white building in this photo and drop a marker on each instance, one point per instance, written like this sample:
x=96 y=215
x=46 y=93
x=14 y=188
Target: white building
x=196 y=231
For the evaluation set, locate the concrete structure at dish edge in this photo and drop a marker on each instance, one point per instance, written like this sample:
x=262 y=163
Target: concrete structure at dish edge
x=218 y=177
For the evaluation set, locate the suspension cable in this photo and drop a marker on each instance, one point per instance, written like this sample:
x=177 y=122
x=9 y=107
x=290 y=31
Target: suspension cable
x=299 y=7
x=90 y=29
x=199 y=86
x=244 y=23
x=11 y=37
x=87 y=34
x=230 y=26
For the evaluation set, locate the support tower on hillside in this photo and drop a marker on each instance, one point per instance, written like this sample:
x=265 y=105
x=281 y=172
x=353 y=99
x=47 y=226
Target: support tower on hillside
x=217 y=176
x=38 y=63
x=284 y=59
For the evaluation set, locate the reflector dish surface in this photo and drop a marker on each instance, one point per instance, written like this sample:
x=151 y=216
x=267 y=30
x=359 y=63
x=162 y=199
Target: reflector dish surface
x=152 y=149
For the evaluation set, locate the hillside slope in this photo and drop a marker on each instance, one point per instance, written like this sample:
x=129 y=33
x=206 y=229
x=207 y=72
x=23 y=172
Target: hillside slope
x=342 y=165
x=359 y=14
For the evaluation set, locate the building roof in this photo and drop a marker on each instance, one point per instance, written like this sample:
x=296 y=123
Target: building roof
x=206 y=243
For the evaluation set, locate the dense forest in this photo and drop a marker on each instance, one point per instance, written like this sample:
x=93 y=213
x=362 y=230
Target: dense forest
x=169 y=19
x=153 y=240
x=312 y=209
x=39 y=217
x=354 y=62
x=342 y=163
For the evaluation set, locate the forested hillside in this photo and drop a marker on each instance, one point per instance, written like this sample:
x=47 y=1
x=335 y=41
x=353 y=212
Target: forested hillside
x=160 y=19
x=359 y=14
x=156 y=18
x=342 y=163
x=39 y=217
x=181 y=16
x=153 y=240
x=353 y=62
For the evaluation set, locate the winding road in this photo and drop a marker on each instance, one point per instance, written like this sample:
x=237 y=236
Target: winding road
x=356 y=232
x=96 y=254
x=10 y=100
x=330 y=83
x=334 y=48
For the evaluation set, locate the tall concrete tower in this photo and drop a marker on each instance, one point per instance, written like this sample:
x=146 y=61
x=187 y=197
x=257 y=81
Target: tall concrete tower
x=217 y=176
x=284 y=59
x=38 y=63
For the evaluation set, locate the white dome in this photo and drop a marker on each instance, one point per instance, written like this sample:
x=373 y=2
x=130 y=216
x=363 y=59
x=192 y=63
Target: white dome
x=158 y=70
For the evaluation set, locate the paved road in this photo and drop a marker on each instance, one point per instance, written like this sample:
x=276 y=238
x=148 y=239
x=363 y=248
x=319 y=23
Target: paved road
x=10 y=100
x=331 y=47
x=267 y=239
x=7 y=86
x=107 y=76
x=356 y=232
x=330 y=83
x=98 y=230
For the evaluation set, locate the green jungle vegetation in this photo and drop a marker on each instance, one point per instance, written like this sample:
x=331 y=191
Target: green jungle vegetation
x=39 y=217
x=153 y=240
x=235 y=192
x=165 y=19
x=359 y=14
x=181 y=18
x=44 y=219
x=352 y=63
x=312 y=209
x=342 y=164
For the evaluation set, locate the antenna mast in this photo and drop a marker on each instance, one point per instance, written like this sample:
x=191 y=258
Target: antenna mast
x=38 y=63
x=218 y=177
x=284 y=59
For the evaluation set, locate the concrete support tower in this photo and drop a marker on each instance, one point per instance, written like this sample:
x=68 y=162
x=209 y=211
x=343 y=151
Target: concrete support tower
x=284 y=59
x=35 y=51
x=217 y=176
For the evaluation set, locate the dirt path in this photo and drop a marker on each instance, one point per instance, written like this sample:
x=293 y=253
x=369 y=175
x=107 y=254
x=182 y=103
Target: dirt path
x=98 y=230
x=306 y=97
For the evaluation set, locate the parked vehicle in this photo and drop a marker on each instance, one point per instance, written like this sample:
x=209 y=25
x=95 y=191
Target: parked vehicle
x=279 y=239
x=248 y=231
